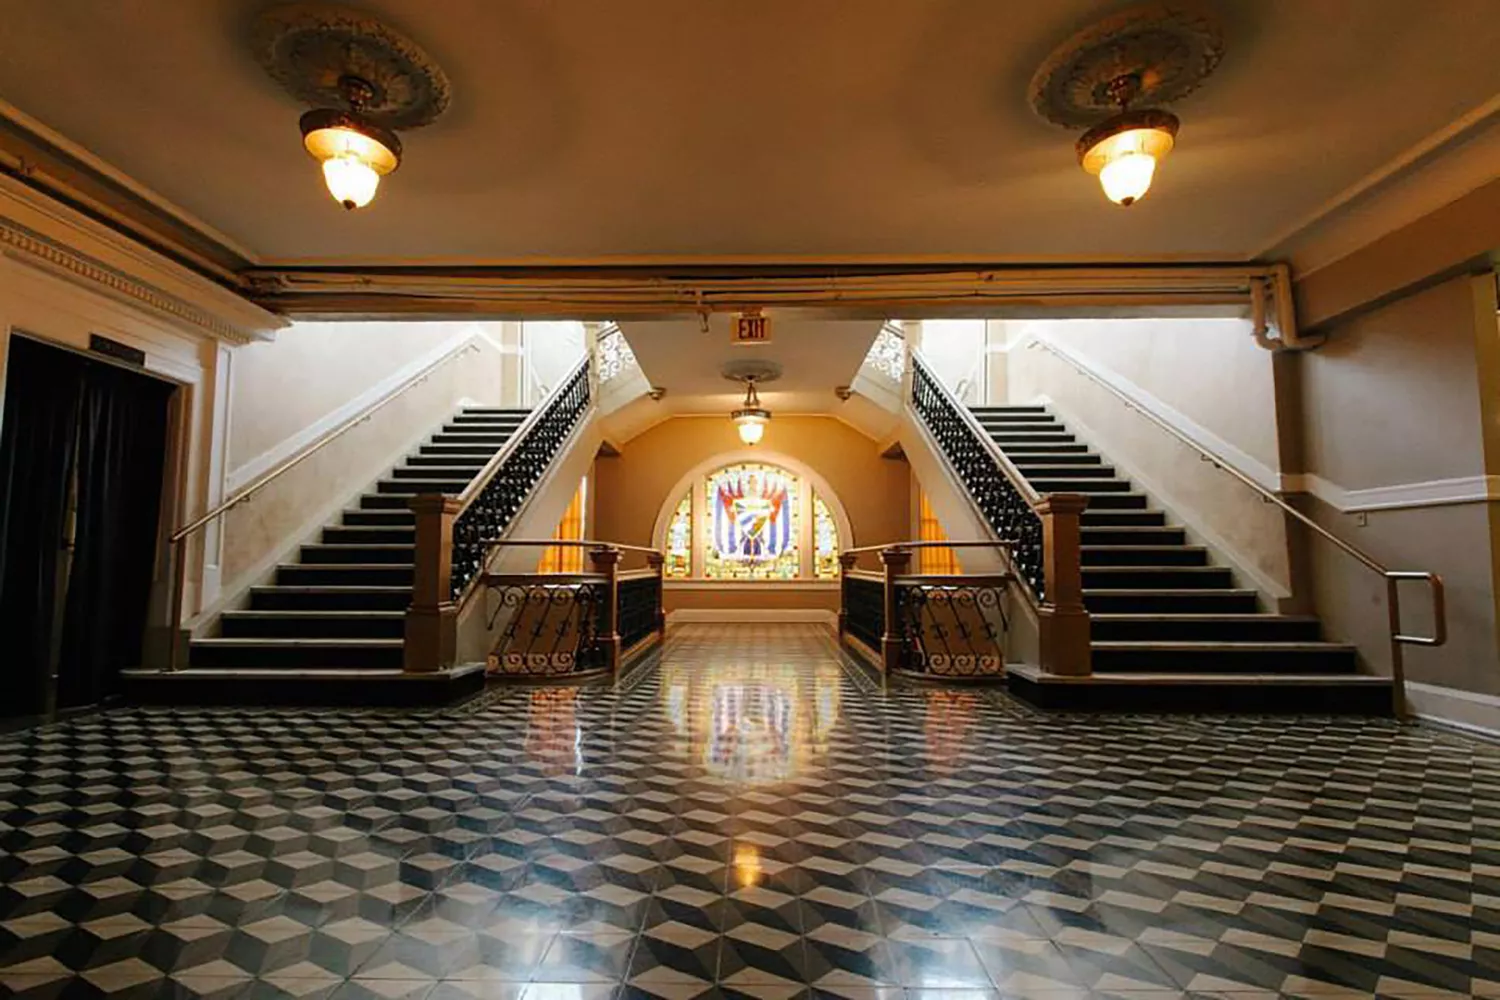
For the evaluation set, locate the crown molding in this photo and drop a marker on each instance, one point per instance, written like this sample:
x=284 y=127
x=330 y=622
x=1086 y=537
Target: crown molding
x=1433 y=172
x=39 y=231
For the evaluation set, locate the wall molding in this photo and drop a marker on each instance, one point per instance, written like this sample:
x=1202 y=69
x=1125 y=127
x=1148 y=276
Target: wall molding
x=1400 y=496
x=751 y=586
x=807 y=616
x=1240 y=459
x=1466 y=710
x=255 y=467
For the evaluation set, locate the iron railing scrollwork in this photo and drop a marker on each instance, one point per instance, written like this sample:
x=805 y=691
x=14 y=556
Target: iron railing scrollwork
x=614 y=354
x=864 y=609
x=637 y=610
x=952 y=628
x=1002 y=503
x=546 y=628
x=491 y=511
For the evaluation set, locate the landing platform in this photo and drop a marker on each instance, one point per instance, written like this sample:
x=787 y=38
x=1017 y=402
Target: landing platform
x=1320 y=694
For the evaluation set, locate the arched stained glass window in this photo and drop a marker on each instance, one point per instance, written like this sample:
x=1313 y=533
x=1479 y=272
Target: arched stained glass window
x=752 y=521
x=825 y=541
x=680 y=539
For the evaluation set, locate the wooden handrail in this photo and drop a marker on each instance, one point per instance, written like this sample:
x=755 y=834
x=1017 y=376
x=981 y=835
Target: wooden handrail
x=1392 y=577
x=572 y=543
x=176 y=539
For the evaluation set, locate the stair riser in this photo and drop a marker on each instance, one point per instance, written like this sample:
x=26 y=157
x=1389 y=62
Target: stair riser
x=266 y=658
x=1249 y=661
x=275 y=599
x=1209 y=629
x=386 y=501
x=1023 y=427
x=456 y=450
x=1107 y=501
x=1102 y=536
x=1034 y=472
x=1079 y=485
x=1155 y=557
x=457 y=437
x=1047 y=449
x=311 y=627
x=370 y=536
x=1043 y=460
x=412 y=487
x=314 y=555
x=1167 y=579
x=1332 y=698
x=402 y=518
x=1006 y=440
x=339 y=576
x=1207 y=602
x=414 y=465
x=445 y=470
x=1097 y=518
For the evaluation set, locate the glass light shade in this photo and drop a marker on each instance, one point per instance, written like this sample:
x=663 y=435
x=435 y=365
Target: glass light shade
x=354 y=155
x=1128 y=178
x=1125 y=150
x=351 y=181
x=751 y=427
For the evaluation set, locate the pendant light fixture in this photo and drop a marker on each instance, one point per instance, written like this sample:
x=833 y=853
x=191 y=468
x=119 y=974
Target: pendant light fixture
x=355 y=152
x=751 y=418
x=363 y=79
x=1100 y=78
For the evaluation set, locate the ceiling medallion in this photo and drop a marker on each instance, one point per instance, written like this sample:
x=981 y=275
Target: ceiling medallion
x=363 y=79
x=1106 y=77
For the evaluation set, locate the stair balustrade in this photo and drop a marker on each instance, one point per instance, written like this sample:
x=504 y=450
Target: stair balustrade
x=454 y=534
x=1040 y=531
x=949 y=626
x=573 y=624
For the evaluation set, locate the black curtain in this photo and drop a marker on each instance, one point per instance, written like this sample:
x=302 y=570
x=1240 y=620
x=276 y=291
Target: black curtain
x=43 y=390
x=122 y=440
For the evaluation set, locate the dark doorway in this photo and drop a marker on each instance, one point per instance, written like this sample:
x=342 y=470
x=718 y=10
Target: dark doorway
x=83 y=449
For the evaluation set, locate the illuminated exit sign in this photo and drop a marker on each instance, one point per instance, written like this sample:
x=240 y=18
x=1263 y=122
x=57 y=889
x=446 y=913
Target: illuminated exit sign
x=752 y=328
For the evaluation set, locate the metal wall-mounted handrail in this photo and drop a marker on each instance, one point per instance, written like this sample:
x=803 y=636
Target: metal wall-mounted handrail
x=1392 y=577
x=178 y=537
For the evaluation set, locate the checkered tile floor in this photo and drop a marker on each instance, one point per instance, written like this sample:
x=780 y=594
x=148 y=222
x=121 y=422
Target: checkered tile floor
x=749 y=818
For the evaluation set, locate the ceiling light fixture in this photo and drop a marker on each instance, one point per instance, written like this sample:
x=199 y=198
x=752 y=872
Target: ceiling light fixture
x=355 y=152
x=362 y=78
x=751 y=418
x=1150 y=54
x=1123 y=151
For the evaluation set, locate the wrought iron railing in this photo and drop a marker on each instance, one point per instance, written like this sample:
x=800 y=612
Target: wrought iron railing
x=546 y=626
x=887 y=354
x=952 y=626
x=497 y=494
x=863 y=614
x=1001 y=493
x=614 y=354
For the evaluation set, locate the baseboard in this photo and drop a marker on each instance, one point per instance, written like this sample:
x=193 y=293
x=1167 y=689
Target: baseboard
x=1466 y=710
x=813 y=616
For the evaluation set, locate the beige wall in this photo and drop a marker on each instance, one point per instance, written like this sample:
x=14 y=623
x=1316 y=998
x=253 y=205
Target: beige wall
x=632 y=487
x=1395 y=399
x=312 y=370
x=678 y=598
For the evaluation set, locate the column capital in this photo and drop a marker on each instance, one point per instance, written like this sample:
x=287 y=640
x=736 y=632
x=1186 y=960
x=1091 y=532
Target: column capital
x=434 y=503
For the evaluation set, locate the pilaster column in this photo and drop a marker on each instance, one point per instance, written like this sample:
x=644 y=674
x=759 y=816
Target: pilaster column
x=432 y=618
x=1064 y=620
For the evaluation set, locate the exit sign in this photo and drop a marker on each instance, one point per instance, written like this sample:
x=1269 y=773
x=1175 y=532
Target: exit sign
x=752 y=328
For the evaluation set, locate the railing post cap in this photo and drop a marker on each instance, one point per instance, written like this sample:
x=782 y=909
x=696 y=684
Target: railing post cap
x=895 y=556
x=434 y=503
x=1062 y=503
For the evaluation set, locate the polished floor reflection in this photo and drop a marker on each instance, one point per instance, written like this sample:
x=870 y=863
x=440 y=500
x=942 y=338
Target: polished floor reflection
x=751 y=817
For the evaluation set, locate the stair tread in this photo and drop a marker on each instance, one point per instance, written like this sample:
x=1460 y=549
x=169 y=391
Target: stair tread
x=322 y=566
x=313 y=613
x=1164 y=547
x=1210 y=616
x=341 y=588
x=1236 y=679
x=256 y=641
x=1215 y=645
x=1164 y=591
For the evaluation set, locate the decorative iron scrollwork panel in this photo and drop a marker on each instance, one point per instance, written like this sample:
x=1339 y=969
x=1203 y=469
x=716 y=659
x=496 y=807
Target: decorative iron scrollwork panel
x=1007 y=511
x=545 y=628
x=497 y=504
x=864 y=610
x=952 y=630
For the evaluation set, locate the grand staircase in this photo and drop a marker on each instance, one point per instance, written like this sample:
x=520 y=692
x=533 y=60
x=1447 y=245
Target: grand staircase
x=338 y=612
x=1171 y=630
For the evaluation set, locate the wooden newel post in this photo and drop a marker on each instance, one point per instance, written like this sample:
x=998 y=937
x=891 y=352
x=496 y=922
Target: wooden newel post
x=432 y=619
x=607 y=562
x=846 y=566
x=658 y=562
x=897 y=562
x=1064 y=623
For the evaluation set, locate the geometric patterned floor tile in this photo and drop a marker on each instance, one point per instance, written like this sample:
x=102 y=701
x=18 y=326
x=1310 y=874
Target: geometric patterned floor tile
x=753 y=816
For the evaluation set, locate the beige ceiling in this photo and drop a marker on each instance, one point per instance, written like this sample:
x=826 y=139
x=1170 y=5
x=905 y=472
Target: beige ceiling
x=601 y=128
x=815 y=355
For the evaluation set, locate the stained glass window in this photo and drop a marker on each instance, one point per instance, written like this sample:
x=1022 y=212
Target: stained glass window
x=680 y=539
x=825 y=541
x=751 y=524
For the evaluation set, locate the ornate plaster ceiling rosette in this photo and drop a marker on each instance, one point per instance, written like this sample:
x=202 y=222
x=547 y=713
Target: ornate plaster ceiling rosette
x=1169 y=47
x=309 y=47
